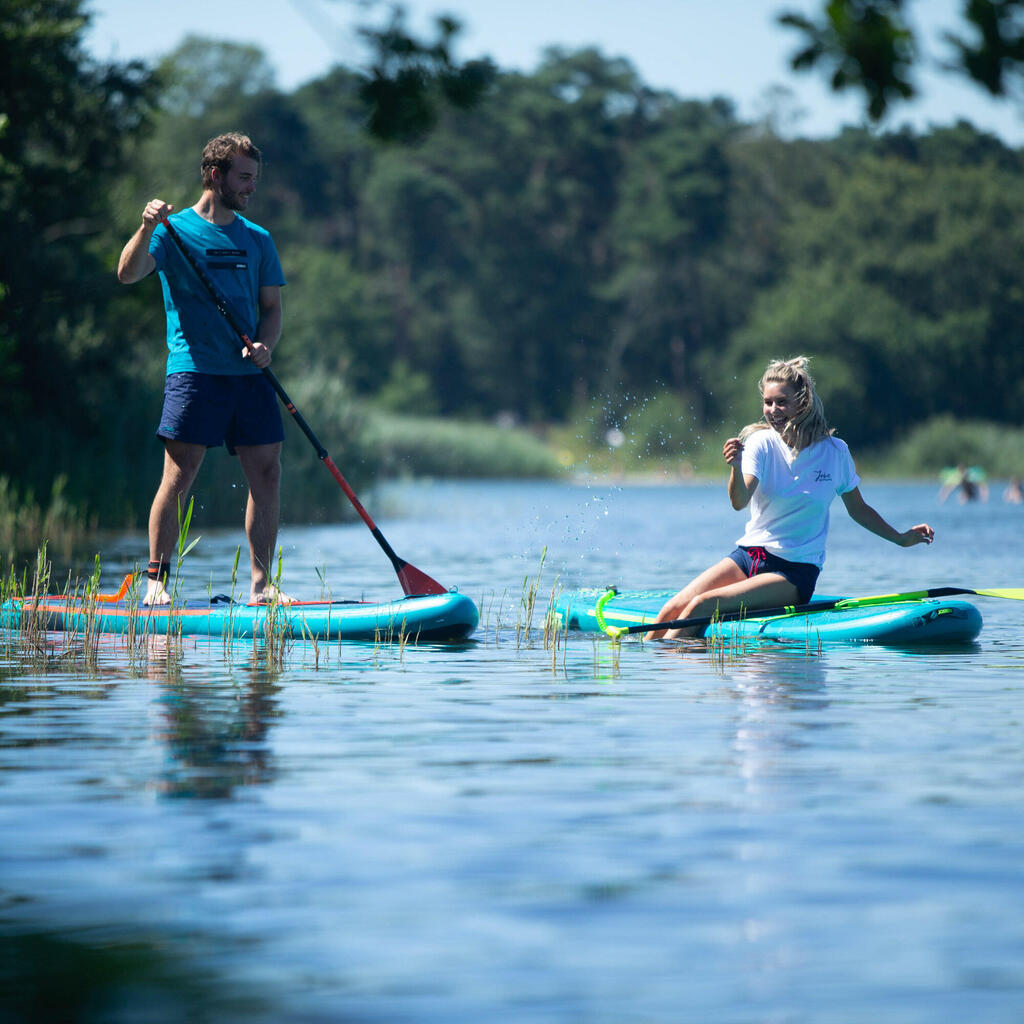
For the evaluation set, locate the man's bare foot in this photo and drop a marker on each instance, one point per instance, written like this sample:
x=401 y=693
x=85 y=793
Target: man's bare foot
x=156 y=593
x=271 y=594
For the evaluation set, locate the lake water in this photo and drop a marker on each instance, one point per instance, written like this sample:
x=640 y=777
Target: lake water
x=499 y=832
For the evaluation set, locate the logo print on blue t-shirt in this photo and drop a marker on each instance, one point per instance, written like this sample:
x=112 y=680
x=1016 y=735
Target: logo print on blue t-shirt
x=237 y=259
x=819 y=476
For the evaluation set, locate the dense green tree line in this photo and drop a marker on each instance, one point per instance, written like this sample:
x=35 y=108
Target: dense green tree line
x=572 y=246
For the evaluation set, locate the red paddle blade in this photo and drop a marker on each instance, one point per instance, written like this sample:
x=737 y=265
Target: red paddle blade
x=415 y=582
x=114 y=598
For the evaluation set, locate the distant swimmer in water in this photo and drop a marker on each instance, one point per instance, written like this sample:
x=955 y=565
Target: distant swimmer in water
x=1014 y=493
x=969 y=481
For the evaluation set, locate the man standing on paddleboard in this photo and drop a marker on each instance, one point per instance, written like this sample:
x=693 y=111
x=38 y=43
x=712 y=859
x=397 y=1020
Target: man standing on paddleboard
x=215 y=392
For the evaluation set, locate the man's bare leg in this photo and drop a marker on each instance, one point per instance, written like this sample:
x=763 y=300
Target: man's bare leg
x=181 y=464
x=262 y=467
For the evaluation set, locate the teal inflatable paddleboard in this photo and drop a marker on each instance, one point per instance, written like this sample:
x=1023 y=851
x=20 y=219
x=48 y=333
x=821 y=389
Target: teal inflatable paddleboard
x=929 y=621
x=431 y=617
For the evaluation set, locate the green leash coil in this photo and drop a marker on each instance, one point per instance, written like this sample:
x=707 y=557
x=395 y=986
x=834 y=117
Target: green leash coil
x=613 y=631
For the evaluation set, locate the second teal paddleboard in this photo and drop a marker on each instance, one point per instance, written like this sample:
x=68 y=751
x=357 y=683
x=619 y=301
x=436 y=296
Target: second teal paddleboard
x=934 y=620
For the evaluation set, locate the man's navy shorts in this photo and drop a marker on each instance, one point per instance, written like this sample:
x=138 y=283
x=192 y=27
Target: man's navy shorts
x=754 y=561
x=214 y=409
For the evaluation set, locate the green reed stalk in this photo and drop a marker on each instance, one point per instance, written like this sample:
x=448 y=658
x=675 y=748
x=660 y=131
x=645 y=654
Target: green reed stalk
x=528 y=601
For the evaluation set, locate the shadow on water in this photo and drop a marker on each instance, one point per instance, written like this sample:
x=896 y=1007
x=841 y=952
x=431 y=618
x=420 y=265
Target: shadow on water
x=933 y=650
x=109 y=975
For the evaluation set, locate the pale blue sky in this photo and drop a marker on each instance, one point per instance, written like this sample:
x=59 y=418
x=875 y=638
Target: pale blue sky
x=695 y=48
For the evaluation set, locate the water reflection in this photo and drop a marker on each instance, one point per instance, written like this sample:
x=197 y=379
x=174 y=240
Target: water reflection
x=773 y=693
x=795 y=681
x=214 y=728
x=779 y=697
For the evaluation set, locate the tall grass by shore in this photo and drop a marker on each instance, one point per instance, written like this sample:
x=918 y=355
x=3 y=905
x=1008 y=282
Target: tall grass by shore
x=26 y=525
x=375 y=446
x=943 y=442
x=415 y=446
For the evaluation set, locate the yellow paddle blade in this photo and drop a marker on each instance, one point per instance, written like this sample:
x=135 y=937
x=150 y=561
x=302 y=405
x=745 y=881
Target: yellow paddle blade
x=1013 y=593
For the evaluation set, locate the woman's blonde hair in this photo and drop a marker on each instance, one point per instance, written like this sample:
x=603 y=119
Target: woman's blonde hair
x=808 y=423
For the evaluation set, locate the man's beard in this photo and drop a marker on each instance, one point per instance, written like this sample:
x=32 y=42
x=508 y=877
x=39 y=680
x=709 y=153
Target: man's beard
x=233 y=200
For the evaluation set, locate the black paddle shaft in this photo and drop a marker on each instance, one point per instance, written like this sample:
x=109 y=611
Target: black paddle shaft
x=743 y=613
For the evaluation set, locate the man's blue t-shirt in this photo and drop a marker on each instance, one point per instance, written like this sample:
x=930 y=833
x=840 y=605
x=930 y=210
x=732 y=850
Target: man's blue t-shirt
x=239 y=258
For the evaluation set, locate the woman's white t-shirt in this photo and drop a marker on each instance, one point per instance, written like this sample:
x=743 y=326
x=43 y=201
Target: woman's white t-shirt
x=789 y=509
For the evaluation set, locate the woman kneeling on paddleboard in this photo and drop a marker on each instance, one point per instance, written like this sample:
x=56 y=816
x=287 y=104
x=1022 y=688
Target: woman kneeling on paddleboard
x=788 y=468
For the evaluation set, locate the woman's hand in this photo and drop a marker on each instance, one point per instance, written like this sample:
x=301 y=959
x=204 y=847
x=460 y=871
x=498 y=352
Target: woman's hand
x=740 y=487
x=920 y=534
x=732 y=450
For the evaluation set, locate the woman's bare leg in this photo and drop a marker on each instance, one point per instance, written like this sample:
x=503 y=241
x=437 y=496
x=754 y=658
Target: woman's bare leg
x=723 y=588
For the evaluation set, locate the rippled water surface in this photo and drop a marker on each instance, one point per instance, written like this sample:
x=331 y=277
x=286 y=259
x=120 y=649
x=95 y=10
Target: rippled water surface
x=502 y=831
